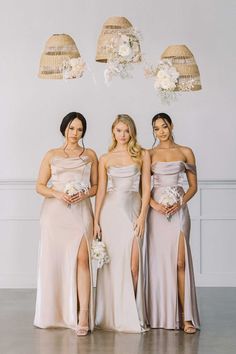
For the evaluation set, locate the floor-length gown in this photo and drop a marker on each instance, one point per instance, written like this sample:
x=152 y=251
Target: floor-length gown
x=162 y=246
x=117 y=307
x=62 y=229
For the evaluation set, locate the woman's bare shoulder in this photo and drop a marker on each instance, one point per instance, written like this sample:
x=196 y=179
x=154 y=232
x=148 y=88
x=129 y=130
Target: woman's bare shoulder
x=91 y=154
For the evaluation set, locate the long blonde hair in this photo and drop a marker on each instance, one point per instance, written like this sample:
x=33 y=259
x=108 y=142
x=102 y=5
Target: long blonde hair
x=134 y=149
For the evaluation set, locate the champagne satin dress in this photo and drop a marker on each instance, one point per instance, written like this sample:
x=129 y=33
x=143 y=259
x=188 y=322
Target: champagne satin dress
x=117 y=307
x=162 y=247
x=62 y=229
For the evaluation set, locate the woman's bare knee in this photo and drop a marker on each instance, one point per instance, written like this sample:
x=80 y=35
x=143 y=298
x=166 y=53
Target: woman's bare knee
x=180 y=265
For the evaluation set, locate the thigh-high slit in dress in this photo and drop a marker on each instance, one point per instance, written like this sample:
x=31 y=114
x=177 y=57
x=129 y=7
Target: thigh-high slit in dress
x=117 y=306
x=62 y=229
x=162 y=248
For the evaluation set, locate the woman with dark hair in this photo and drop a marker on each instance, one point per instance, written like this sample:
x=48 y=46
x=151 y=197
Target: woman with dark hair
x=64 y=293
x=119 y=219
x=172 y=302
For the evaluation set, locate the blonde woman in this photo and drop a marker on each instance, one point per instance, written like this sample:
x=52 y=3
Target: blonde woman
x=119 y=219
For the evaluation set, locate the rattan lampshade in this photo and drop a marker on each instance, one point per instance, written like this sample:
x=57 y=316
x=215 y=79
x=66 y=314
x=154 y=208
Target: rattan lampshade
x=113 y=27
x=58 y=49
x=183 y=60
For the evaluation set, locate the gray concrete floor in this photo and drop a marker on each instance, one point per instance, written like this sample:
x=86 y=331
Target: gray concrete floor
x=217 y=335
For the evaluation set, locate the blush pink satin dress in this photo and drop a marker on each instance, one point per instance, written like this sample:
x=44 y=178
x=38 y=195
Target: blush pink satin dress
x=162 y=251
x=62 y=229
x=117 y=307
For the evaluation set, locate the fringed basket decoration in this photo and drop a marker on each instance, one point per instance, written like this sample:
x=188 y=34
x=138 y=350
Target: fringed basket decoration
x=119 y=47
x=61 y=59
x=176 y=72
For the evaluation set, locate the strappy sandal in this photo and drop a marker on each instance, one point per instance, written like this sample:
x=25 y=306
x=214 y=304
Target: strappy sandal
x=188 y=327
x=82 y=330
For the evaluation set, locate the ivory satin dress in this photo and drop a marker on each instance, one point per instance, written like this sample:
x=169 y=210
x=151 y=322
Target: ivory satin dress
x=162 y=247
x=62 y=229
x=117 y=307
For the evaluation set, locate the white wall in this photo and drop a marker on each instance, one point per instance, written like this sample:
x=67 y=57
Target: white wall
x=31 y=109
x=212 y=236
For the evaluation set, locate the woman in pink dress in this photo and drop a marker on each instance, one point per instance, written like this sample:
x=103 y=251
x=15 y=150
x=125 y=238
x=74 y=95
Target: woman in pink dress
x=64 y=292
x=171 y=300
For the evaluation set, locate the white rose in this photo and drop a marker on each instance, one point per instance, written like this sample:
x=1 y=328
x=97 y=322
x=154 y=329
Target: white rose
x=161 y=75
x=70 y=189
x=124 y=39
x=74 y=62
x=166 y=83
x=124 y=50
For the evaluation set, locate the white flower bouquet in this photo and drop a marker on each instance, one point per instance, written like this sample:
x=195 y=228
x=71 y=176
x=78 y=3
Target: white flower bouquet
x=72 y=188
x=99 y=258
x=169 y=197
x=99 y=253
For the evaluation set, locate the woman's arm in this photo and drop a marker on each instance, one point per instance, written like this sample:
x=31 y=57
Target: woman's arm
x=191 y=177
x=192 y=182
x=146 y=185
x=43 y=178
x=101 y=192
x=94 y=176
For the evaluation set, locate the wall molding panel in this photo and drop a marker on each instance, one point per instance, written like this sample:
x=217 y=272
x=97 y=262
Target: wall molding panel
x=213 y=238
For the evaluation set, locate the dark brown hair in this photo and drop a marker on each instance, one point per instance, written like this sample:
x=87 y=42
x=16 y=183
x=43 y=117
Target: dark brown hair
x=69 y=118
x=166 y=118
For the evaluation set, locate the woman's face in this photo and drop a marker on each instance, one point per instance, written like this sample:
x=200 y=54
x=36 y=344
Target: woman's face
x=161 y=130
x=121 y=133
x=74 y=131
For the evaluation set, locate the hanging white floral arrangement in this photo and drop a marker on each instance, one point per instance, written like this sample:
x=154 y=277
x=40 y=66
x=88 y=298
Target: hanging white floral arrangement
x=176 y=72
x=119 y=47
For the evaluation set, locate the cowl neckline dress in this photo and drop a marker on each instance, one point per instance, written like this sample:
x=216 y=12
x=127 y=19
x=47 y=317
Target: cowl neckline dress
x=162 y=251
x=117 y=307
x=62 y=229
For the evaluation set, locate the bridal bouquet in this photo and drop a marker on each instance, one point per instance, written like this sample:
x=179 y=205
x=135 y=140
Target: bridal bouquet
x=99 y=258
x=99 y=253
x=169 y=197
x=72 y=188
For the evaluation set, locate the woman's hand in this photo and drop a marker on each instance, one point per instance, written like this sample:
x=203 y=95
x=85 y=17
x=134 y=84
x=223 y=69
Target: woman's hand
x=139 y=226
x=174 y=208
x=97 y=231
x=62 y=196
x=78 y=197
x=160 y=208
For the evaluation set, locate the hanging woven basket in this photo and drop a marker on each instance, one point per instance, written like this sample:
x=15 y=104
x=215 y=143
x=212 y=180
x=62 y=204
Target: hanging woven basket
x=112 y=30
x=59 y=49
x=183 y=60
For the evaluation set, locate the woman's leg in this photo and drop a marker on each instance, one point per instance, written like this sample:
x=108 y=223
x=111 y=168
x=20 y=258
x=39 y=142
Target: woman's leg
x=188 y=326
x=83 y=283
x=135 y=263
